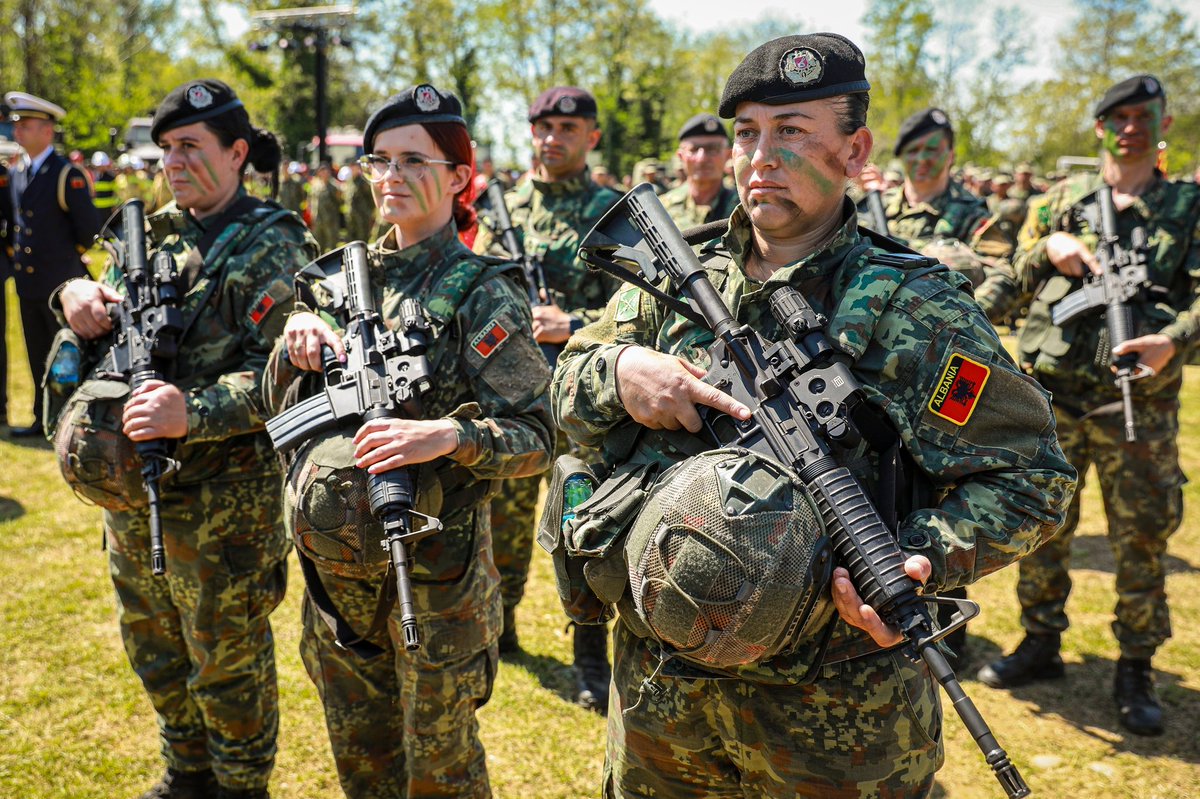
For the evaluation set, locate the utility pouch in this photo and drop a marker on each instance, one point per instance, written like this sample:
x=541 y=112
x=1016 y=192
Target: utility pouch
x=581 y=604
x=95 y=457
x=62 y=376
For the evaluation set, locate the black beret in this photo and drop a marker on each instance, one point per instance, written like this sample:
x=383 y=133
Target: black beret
x=194 y=101
x=567 y=101
x=421 y=103
x=703 y=125
x=796 y=68
x=919 y=124
x=1133 y=90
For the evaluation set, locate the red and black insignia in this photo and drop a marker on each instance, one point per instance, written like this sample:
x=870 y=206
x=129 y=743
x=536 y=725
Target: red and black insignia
x=260 y=310
x=78 y=183
x=487 y=341
x=959 y=389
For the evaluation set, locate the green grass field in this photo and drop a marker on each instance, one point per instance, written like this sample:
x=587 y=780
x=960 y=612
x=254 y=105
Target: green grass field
x=75 y=723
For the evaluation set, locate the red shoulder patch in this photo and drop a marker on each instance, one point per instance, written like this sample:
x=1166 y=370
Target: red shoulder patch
x=78 y=183
x=959 y=389
x=260 y=310
x=487 y=341
x=3 y=181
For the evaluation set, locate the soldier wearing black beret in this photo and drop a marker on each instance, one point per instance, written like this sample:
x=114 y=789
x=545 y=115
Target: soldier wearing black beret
x=1141 y=481
x=843 y=711
x=552 y=211
x=703 y=151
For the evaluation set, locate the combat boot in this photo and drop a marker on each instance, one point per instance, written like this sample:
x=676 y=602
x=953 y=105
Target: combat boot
x=1137 y=701
x=184 y=785
x=592 y=672
x=1036 y=658
x=508 y=636
x=242 y=793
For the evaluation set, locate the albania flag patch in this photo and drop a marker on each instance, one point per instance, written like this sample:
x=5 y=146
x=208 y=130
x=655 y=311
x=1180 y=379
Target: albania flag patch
x=959 y=389
x=487 y=341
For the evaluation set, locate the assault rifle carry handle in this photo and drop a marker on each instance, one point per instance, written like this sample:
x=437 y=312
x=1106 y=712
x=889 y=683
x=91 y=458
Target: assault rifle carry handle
x=801 y=396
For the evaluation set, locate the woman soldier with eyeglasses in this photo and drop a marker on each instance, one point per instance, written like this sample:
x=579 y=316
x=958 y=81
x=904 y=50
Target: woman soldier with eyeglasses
x=402 y=722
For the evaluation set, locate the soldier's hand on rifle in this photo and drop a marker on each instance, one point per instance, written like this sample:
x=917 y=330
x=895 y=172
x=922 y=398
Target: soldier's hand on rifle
x=304 y=335
x=1154 y=351
x=1071 y=256
x=385 y=444
x=661 y=391
x=551 y=324
x=852 y=610
x=85 y=305
x=155 y=410
x=871 y=179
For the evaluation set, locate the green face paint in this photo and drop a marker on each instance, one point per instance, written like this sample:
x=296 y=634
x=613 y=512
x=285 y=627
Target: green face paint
x=1109 y=142
x=933 y=154
x=212 y=172
x=803 y=168
x=741 y=165
x=415 y=188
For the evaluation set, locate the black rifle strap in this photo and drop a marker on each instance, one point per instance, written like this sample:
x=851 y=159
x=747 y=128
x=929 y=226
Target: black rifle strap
x=343 y=633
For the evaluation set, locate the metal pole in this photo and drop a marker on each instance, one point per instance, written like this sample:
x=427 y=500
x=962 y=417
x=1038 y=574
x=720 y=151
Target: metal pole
x=322 y=121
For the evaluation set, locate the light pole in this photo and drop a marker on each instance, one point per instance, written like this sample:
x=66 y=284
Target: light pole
x=315 y=28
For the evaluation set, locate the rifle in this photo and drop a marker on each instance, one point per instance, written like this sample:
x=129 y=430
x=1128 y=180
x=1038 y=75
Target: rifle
x=531 y=268
x=878 y=214
x=384 y=376
x=148 y=326
x=1123 y=278
x=801 y=397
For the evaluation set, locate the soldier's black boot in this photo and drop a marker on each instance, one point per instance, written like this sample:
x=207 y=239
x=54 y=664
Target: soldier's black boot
x=1137 y=701
x=184 y=785
x=508 y=636
x=592 y=672
x=1036 y=658
x=242 y=793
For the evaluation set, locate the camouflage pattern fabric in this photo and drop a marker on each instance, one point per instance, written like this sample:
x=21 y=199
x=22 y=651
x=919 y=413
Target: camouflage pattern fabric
x=686 y=214
x=1142 y=486
x=1140 y=481
x=1002 y=481
x=292 y=193
x=866 y=728
x=490 y=377
x=360 y=210
x=199 y=638
x=954 y=214
x=551 y=219
x=325 y=203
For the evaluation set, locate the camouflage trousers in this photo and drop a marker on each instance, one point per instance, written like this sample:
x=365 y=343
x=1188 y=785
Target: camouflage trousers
x=869 y=727
x=199 y=638
x=402 y=724
x=1142 y=486
x=514 y=520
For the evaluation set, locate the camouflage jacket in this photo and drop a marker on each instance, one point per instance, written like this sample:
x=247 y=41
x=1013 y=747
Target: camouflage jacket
x=551 y=219
x=488 y=375
x=237 y=304
x=1000 y=481
x=953 y=214
x=683 y=209
x=360 y=209
x=1072 y=359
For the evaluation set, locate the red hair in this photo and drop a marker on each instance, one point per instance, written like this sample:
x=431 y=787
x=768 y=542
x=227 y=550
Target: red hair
x=455 y=143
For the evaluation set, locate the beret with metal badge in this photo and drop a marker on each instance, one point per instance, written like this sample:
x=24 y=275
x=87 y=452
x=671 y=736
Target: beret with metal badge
x=421 y=103
x=194 y=101
x=1137 y=89
x=567 y=101
x=920 y=123
x=794 y=69
x=703 y=125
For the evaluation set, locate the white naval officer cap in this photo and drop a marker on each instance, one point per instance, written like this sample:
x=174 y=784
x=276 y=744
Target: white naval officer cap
x=26 y=106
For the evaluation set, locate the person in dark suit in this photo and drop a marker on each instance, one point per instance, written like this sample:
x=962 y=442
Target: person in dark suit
x=56 y=223
x=6 y=252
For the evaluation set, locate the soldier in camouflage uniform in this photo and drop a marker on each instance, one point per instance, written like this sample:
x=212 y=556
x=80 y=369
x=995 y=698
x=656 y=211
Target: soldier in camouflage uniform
x=199 y=637
x=552 y=211
x=325 y=205
x=291 y=188
x=402 y=723
x=862 y=721
x=1141 y=481
x=360 y=206
x=703 y=197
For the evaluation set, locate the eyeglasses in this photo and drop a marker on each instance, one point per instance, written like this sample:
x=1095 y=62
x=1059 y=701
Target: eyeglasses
x=409 y=167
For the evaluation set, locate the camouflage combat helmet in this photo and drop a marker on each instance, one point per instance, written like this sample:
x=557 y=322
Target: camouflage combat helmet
x=729 y=562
